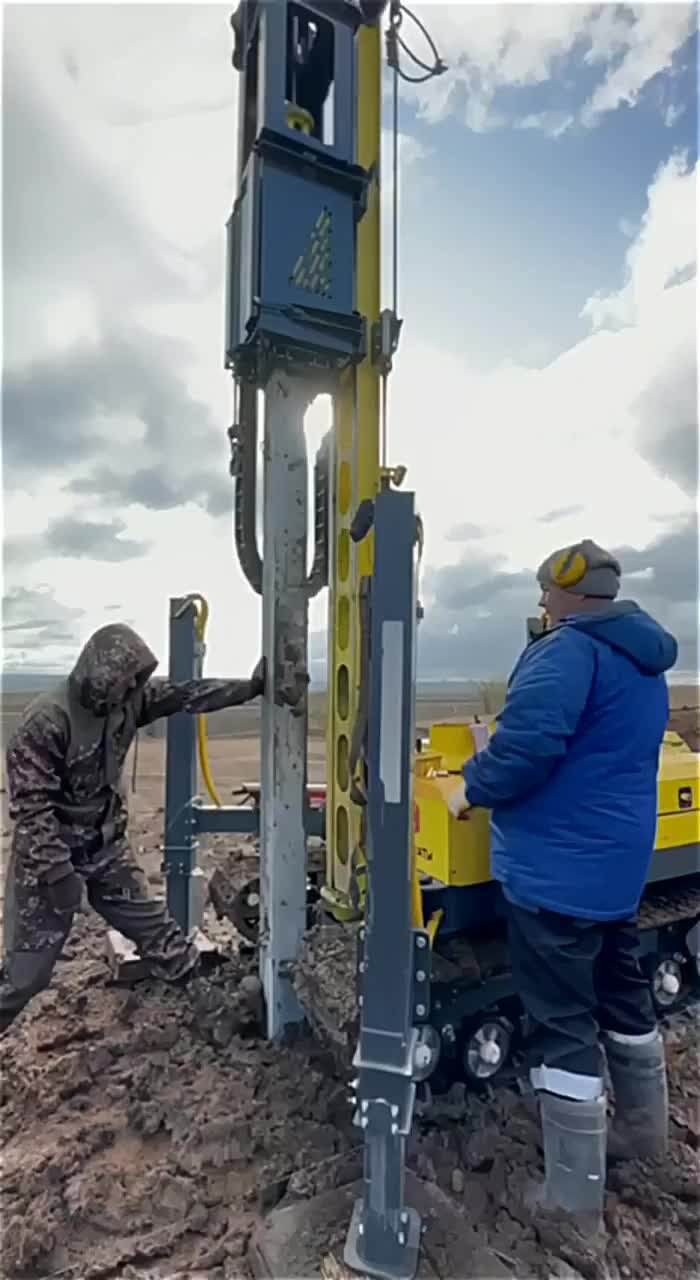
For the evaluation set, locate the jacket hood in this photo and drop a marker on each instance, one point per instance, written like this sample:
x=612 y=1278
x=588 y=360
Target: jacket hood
x=630 y=630
x=113 y=664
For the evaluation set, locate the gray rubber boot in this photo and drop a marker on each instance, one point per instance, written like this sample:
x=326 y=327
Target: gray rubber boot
x=638 y=1074
x=574 y=1140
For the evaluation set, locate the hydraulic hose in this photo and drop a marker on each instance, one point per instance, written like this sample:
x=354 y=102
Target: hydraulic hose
x=244 y=470
x=318 y=574
x=201 y=607
x=244 y=446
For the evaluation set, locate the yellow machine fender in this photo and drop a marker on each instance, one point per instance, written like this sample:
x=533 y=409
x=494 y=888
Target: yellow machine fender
x=457 y=854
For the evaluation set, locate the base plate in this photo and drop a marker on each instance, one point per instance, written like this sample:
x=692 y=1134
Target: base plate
x=403 y=1266
x=306 y=1239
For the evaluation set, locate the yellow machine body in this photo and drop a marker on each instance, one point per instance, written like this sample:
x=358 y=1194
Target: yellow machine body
x=679 y=795
x=355 y=477
x=457 y=854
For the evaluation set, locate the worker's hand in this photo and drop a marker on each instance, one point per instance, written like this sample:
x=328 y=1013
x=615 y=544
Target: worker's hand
x=66 y=894
x=457 y=802
x=258 y=679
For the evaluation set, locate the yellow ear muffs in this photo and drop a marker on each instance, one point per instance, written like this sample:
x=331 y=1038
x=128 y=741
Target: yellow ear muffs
x=569 y=568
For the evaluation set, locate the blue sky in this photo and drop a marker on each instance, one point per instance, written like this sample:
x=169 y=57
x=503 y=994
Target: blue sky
x=547 y=204
x=530 y=225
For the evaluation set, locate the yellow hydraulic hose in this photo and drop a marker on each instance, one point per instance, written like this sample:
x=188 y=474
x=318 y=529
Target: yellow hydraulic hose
x=200 y=629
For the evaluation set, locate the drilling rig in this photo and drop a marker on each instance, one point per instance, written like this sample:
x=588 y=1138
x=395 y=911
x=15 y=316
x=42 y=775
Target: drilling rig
x=409 y=885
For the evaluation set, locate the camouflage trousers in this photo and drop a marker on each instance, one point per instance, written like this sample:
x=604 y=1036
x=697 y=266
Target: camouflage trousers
x=34 y=934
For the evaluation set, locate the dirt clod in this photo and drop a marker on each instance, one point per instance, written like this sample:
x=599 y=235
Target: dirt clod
x=144 y=1132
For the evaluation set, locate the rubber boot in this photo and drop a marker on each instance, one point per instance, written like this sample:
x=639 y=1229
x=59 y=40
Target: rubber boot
x=574 y=1141
x=637 y=1069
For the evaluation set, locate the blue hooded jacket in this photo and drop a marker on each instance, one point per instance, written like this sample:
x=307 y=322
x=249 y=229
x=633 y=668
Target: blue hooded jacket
x=570 y=773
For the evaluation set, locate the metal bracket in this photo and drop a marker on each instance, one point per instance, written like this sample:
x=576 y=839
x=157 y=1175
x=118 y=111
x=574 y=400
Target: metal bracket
x=421 y=977
x=385 y=340
x=180 y=861
x=393 y=957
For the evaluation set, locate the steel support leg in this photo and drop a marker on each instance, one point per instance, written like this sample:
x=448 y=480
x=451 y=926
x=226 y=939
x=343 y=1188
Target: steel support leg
x=395 y=967
x=284 y=716
x=184 y=880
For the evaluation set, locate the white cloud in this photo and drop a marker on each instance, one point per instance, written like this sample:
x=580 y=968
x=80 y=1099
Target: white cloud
x=493 y=450
x=517 y=442
x=665 y=246
x=649 y=46
x=673 y=113
x=490 y=47
x=553 y=123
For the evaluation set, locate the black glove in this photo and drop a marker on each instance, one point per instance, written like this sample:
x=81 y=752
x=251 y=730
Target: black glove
x=66 y=894
x=258 y=679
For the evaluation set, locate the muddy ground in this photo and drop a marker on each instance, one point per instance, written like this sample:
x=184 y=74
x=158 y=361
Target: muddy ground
x=143 y=1135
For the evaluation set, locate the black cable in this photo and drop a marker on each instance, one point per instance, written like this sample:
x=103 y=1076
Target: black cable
x=395 y=41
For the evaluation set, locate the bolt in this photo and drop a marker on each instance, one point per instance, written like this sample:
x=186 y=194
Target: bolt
x=365 y=1107
x=364 y=1122
x=394 y=1129
x=420 y=1010
x=360 y=1228
x=404 y=1217
x=362 y=966
x=402 y=1238
x=420 y=976
x=420 y=941
x=490 y=1052
x=423 y=1056
x=394 y=1112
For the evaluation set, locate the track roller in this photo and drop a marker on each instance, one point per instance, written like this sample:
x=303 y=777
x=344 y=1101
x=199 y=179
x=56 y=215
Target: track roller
x=244 y=912
x=668 y=982
x=487 y=1046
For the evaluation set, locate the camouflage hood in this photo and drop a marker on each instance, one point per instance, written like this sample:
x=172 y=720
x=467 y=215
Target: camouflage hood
x=113 y=664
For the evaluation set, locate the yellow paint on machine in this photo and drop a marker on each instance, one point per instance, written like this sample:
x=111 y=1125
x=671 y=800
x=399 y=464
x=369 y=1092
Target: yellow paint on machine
x=458 y=853
x=356 y=476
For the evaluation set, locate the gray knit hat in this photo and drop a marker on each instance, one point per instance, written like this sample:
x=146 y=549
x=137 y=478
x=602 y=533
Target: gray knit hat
x=583 y=569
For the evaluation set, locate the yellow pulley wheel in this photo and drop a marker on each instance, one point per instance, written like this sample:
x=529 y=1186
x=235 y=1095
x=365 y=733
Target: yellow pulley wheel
x=299 y=119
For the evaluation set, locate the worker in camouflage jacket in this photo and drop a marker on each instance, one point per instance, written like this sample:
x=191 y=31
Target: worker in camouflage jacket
x=64 y=765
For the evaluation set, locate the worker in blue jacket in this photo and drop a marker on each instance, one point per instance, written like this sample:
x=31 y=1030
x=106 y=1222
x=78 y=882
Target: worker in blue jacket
x=570 y=777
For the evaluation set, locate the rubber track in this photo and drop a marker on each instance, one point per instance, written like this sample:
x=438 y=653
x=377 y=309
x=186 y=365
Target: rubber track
x=662 y=909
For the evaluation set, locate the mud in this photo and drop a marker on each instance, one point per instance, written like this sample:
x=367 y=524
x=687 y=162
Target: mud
x=484 y=1151
x=145 y=1133
x=148 y=1124
x=325 y=979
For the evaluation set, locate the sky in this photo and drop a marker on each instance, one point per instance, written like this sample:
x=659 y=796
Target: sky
x=545 y=388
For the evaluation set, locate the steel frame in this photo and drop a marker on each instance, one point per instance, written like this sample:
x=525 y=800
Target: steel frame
x=384 y=1234
x=186 y=816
